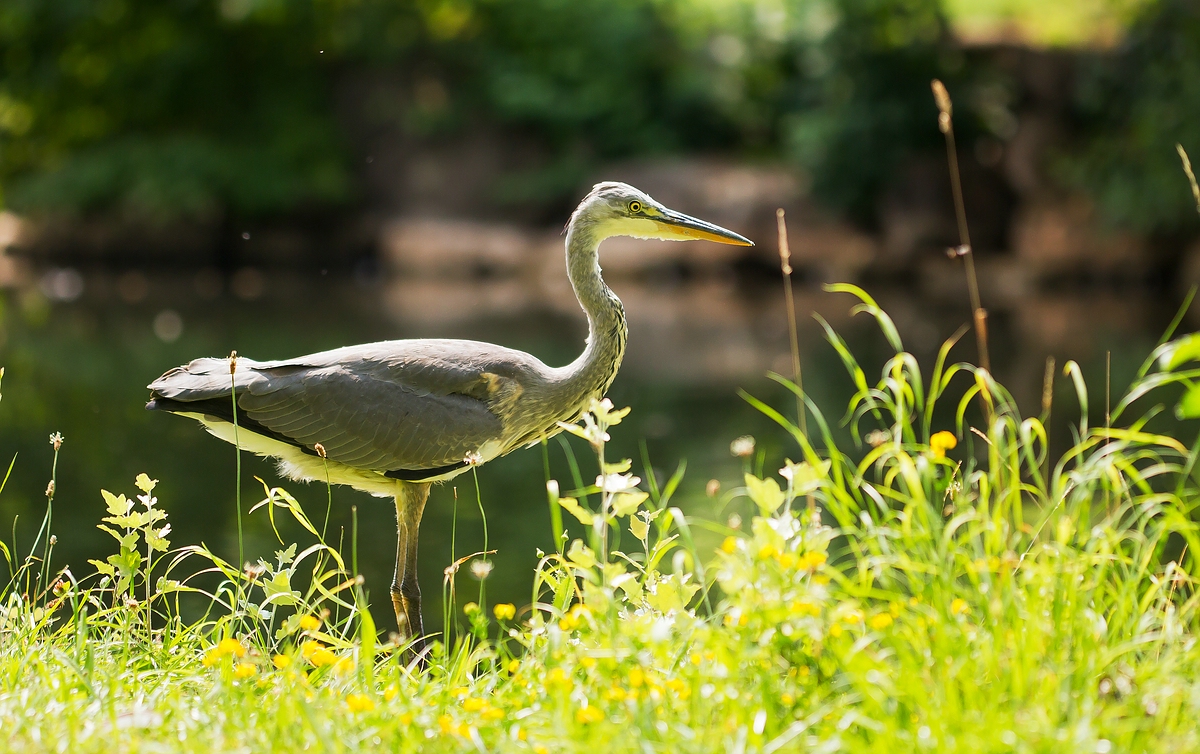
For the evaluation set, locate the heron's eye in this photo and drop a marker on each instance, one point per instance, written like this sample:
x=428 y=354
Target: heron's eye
x=635 y=207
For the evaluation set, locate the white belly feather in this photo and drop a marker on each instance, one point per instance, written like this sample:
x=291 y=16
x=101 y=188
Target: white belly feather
x=299 y=466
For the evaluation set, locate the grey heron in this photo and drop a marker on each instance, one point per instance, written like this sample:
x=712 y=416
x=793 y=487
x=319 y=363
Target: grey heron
x=392 y=418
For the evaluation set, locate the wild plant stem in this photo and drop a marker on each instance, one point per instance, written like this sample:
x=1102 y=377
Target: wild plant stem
x=237 y=445
x=483 y=516
x=979 y=314
x=785 y=265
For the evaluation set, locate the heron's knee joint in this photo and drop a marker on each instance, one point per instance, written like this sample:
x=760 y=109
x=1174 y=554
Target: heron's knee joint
x=409 y=588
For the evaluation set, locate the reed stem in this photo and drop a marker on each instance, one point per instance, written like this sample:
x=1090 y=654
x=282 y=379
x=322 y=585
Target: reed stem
x=964 y=250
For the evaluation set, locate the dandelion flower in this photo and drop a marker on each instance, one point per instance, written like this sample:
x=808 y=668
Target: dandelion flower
x=359 y=703
x=941 y=442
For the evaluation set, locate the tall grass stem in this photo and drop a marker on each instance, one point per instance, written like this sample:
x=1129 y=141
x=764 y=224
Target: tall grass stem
x=978 y=313
x=785 y=265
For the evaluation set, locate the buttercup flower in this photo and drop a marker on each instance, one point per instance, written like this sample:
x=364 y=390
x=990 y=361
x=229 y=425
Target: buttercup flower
x=941 y=442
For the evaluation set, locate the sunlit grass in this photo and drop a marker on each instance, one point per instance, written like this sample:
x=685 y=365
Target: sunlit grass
x=945 y=585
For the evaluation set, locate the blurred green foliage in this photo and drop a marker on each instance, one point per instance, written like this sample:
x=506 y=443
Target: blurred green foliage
x=164 y=107
x=1139 y=103
x=161 y=108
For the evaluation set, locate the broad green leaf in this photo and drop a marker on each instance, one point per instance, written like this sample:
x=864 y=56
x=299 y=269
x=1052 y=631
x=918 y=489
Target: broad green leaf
x=157 y=538
x=1179 y=351
x=624 y=503
x=640 y=527
x=284 y=557
x=578 y=511
x=765 y=493
x=278 y=589
x=581 y=555
x=1189 y=407
x=620 y=467
x=118 y=505
x=145 y=483
x=104 y=568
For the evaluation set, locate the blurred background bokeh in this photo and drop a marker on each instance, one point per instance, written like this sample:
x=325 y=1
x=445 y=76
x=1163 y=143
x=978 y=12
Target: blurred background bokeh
x=186 y=177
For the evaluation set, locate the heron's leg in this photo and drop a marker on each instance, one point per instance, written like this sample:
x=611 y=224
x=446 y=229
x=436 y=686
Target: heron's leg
x=406 y=591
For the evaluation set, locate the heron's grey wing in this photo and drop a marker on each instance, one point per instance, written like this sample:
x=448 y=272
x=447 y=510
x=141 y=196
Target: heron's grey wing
x=365 y=415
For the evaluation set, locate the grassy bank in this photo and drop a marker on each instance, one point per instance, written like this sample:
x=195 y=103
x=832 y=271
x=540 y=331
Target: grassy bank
x=947 y=584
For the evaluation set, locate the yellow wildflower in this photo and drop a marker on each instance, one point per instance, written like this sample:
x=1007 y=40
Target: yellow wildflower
x=786 y=560
x=811 y=561
x=558 y=678
x=587 y=661
x=505 y=611
x=360 y=703
x=787 y=700
x=308 y=648
x=513 y=666
x=615 y=694
x=322 y=657
x=390 y=693
x=539 y=749
x=460 y=692
x=573 y=618
x=473 y=704
x=310 y=623
x=589 y=714
x=210 y=658
x=493 y=713
x=281 y=661
x=680 y=689
x=231 y=647
x=881 y=621
x=767 y=551
x=729 y=545
x=959 y=606
x=244 y=670
x=835 y=630
x=941 y=442
x=636 y=677
x=344 y=666
x=446 y=723
x=805 y=606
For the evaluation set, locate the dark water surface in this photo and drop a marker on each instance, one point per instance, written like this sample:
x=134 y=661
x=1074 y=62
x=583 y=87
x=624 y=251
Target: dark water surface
x=80 y=349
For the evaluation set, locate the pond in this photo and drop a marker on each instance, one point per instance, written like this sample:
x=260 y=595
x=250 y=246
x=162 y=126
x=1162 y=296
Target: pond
x=79 y=348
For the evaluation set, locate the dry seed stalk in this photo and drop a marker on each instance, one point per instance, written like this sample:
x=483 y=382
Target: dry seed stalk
x=785 y=264
x=946 y=125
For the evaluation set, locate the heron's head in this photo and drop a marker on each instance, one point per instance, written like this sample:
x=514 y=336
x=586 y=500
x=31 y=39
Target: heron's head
x=618 y=209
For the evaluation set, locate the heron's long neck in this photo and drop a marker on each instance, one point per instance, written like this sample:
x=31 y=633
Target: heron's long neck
x=591 y=374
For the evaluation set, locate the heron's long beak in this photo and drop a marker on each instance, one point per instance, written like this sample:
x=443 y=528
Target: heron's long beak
x=689 y=227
